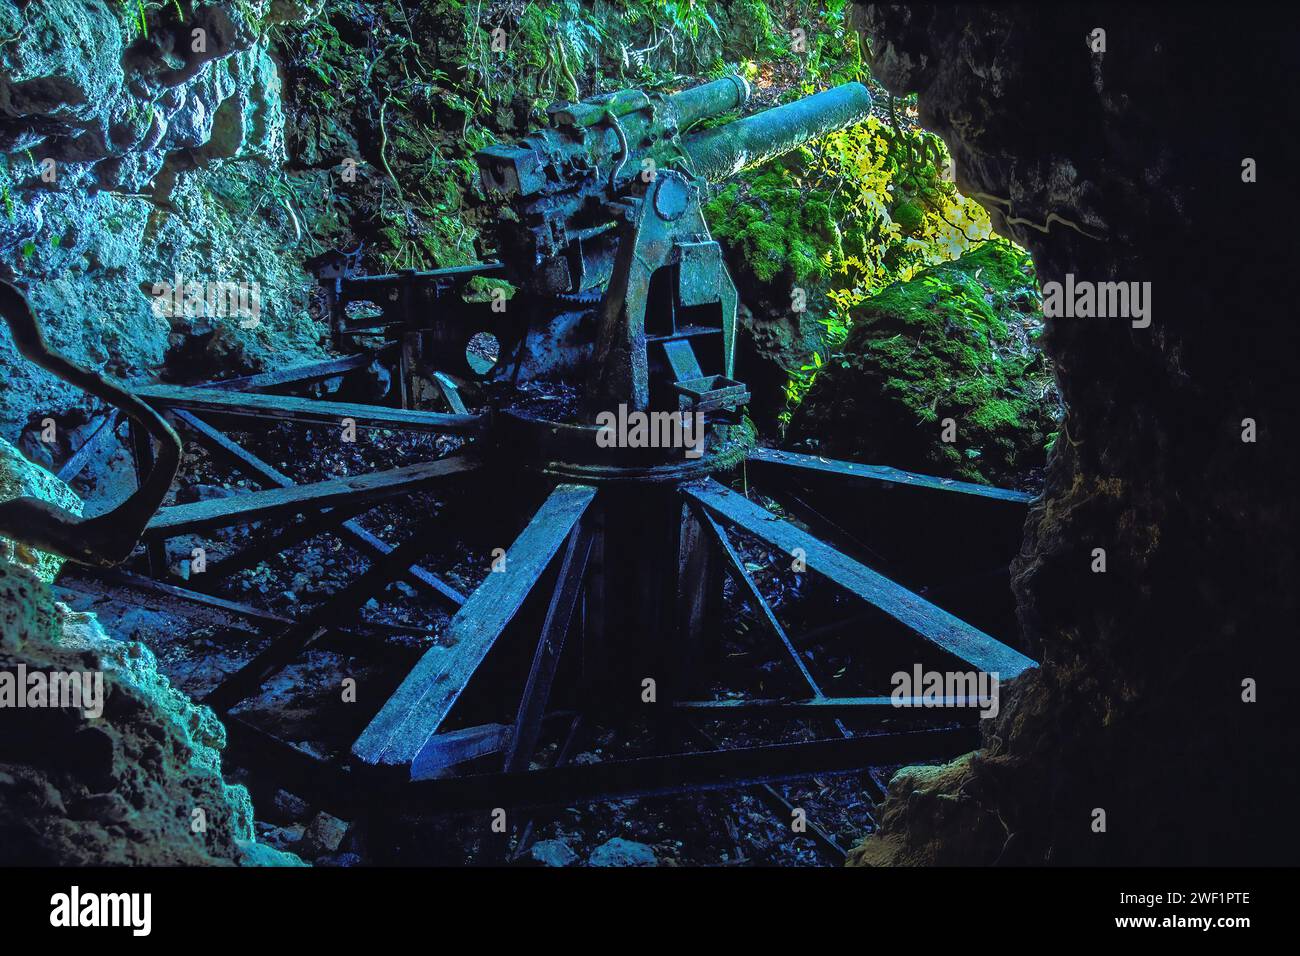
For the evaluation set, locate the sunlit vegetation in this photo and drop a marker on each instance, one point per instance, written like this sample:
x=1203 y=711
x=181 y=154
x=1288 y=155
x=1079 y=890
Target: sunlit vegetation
x=420 y=88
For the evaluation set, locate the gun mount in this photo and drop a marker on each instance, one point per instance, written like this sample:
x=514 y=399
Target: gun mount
x=623 y=296
x=563 y=183
x=608 y=198
x=623 y=305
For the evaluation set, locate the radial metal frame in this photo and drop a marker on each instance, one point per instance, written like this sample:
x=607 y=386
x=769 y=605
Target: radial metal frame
x=406 y=758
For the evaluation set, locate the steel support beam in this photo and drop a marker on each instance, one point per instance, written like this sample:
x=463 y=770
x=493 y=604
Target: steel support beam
x=283 y=502
x=936 y=625
x=258 y=405
x=418 y=707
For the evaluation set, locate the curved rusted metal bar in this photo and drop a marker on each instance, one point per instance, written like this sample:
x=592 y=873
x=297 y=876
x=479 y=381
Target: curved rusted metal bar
x=106 y=539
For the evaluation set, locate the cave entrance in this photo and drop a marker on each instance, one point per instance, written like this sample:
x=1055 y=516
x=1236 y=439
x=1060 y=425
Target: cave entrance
x=563 y=591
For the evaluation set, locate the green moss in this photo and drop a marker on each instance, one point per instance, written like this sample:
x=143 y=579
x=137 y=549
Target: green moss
x=909 y=216
x=782 y=230
x=943 y=327
x=952 y=343
x=996 y=413
x=753 y=32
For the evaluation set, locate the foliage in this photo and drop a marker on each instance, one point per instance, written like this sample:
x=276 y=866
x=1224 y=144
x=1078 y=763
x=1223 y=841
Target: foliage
x=361 y=75
x=881 y=203
x=558 y=41
x=426 y=92
x=955 y=341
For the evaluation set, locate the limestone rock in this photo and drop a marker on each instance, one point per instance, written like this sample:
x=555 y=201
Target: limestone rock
x=620 y=852
x=139 y=784
x=160 y=170
x=552 y=853
x=323 y=835
x=129 y=773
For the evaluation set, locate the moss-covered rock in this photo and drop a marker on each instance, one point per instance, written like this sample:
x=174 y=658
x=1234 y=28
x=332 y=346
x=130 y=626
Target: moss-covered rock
x=938 y=796
x=957 y=342
x=778 y=238
x=781 y=230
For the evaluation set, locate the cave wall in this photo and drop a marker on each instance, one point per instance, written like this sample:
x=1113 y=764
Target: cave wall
x=132 y=152
x=166 y=162
x=131 y=776
x=1127 y=165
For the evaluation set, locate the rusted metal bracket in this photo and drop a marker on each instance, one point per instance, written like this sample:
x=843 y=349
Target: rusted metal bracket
x=109 y=538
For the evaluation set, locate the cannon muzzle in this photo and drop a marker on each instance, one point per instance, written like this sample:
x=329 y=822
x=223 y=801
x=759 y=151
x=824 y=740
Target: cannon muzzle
x=725 y=150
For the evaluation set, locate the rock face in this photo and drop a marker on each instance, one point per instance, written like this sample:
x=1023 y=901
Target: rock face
x=138 y=785
x=1178 y=456
x=952 y=348
x=133 y=159
x=131 y=773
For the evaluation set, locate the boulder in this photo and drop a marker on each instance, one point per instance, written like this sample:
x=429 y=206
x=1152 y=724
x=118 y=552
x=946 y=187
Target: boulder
x=139 y=783
x=951 y=353
x=552 y=853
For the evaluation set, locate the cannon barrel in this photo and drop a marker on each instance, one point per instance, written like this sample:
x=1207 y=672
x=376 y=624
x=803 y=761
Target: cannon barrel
x=709 y=100
x=560 y=179
x=725 y=150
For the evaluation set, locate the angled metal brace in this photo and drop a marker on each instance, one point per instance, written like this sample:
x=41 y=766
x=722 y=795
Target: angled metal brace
x=943 y=630
x=398 y=733
x=559 y=615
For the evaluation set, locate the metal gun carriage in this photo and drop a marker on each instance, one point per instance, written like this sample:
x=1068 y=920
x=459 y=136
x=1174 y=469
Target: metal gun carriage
x=623 y=303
